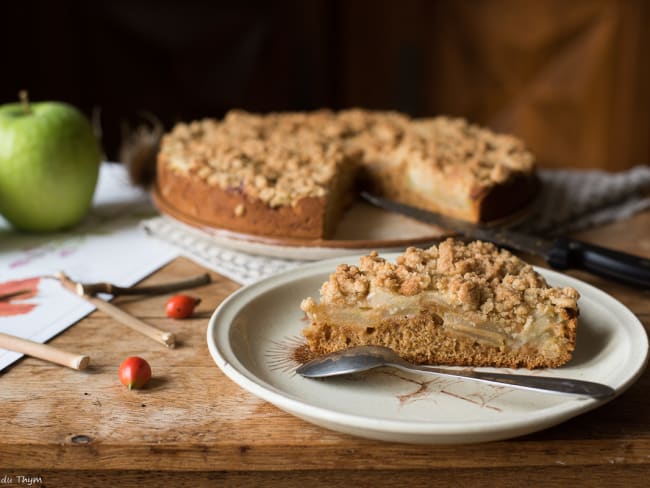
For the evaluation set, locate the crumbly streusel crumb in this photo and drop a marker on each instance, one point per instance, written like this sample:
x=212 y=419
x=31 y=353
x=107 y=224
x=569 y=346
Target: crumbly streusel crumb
x=346 y=285
x=477 y=277
x=281 y=158
x=487 y=156
x=277 y=158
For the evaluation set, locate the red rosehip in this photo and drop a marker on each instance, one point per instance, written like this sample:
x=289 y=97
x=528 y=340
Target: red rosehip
x=181 y=306
x=134 y=372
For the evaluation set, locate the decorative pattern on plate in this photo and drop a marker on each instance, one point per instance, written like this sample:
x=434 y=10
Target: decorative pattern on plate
x=290 y=353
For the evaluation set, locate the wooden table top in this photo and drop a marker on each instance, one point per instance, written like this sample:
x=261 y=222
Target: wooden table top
x=194 y=427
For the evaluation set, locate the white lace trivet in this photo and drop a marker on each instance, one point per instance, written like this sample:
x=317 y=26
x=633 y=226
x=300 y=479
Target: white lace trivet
x=238 y=266
x=570 y=200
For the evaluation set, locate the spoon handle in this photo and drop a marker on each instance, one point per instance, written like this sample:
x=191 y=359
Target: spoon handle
x=528 y=382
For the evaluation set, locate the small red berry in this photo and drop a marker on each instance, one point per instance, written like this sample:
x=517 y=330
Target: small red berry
x=181 y=306
x=134 y=372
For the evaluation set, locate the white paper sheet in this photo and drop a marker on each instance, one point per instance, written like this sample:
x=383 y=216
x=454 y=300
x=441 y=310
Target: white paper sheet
x=108 y=246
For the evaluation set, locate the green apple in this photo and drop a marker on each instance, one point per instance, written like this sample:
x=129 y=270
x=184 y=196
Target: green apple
x=49 y=162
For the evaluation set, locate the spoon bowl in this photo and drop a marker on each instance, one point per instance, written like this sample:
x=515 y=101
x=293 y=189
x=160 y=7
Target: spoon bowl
x=363 y=358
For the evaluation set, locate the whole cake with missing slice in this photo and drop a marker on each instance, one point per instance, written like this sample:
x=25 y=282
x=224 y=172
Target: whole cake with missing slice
x=294 y=174
x=453 y=304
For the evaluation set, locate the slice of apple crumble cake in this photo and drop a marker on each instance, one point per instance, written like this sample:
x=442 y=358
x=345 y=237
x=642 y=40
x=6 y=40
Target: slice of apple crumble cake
x=455 y=303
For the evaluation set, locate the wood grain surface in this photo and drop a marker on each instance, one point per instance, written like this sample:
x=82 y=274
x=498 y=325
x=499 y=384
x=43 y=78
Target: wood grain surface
x=194 y=427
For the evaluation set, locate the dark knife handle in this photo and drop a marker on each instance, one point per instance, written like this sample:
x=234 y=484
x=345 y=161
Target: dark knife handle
x=607 y=263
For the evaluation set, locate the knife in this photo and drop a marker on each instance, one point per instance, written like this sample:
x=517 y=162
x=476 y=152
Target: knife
x=561 y=253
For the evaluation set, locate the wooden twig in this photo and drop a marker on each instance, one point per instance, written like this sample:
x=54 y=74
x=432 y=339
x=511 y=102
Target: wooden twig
x=43 y=351
x=94 y=288
x=165 y=338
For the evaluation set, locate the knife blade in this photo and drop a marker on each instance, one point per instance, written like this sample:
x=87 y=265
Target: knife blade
x=560 y=253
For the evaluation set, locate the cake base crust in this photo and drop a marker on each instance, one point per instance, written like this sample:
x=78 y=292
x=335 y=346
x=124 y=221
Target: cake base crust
x=424 y=340
x=310 y=217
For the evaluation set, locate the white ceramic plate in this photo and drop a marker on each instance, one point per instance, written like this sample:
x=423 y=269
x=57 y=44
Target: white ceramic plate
x=255 y=338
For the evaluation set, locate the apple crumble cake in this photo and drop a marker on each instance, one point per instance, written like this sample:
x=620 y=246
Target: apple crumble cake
x=294 y=174
x=454 y=304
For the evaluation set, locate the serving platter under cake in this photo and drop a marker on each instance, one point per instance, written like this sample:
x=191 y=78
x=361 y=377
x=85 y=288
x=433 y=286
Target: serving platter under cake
x=362 y=228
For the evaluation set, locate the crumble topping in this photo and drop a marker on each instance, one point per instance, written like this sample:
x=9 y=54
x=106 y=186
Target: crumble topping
x=278 y=158
x=375 y=134
x=281 y=158
x=487 y=157
x=477 y=277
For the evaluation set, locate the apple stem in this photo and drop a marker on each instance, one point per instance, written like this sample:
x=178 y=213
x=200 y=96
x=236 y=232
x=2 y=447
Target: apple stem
x=24 y=99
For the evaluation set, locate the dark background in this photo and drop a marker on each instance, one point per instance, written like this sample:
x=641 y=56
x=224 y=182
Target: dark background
x=570 y=77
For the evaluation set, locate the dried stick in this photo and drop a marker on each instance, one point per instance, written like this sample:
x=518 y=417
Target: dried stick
x=94 y=288
x=165 y=338
x=43 y=351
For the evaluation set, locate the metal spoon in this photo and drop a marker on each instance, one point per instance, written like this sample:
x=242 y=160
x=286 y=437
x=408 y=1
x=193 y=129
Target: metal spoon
x=363 y=358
